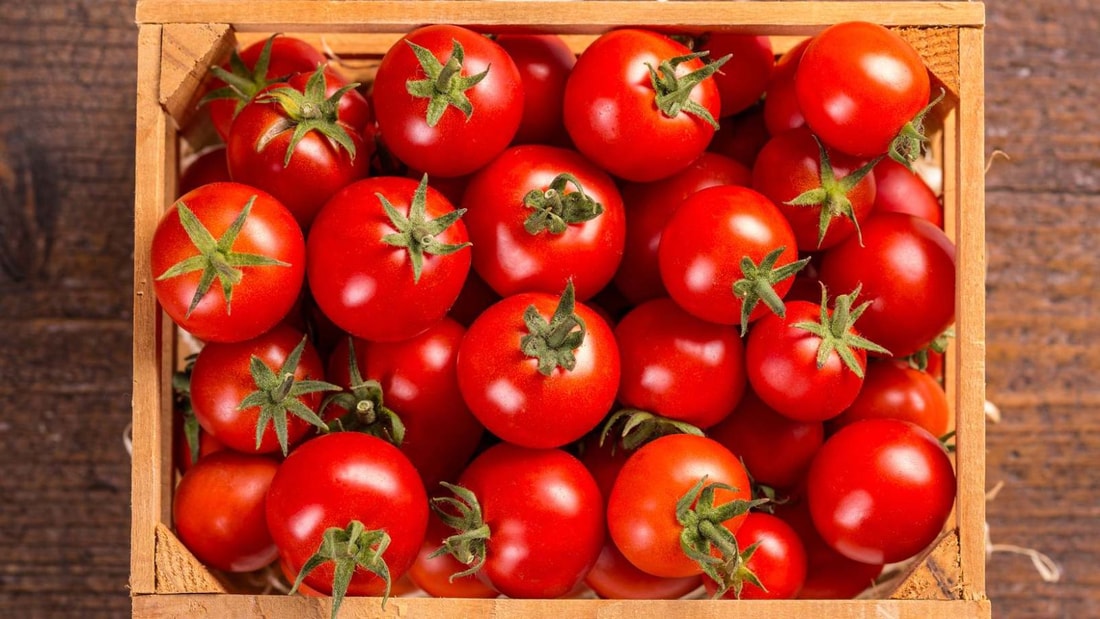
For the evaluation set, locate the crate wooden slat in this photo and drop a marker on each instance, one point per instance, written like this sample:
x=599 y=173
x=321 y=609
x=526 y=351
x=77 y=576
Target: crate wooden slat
x=179 y=39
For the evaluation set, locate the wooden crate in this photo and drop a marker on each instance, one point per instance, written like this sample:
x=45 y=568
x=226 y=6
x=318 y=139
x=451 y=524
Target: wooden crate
x=179 y=39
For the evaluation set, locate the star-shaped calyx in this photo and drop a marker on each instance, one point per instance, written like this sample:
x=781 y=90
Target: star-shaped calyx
x=444 y=86
x=416 y=232
x=305 y=111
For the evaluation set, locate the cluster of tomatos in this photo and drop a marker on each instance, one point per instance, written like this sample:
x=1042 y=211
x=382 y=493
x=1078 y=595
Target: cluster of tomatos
x=521 y=322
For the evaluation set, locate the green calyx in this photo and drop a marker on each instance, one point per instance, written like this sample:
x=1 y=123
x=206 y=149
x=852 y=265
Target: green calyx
x=416 y=232
x=906 y=147
x=836 y=331
x=278 y=395
x=704 y=537
x=365 y=409
x=674 y=93
x=216 y=258
x=241 y=82
x=758 y=284
x=307 y=111
x=641 y=427
x=832 y=195
x=919 y=359
x=462 y=512
x=444 y=86
x=349 y=548
x=555 y=209
x=553 y=342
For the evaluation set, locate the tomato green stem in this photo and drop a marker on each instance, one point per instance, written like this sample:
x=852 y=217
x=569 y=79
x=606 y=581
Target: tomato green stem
x=443 y=86
x=416 y=232
x=555 y=209
x=759 y=281
x=554 y=341
x=366 y=411
x=642 y=427
x=350 y=548
x=462 y=512
x=837 y=331
x=832 y=195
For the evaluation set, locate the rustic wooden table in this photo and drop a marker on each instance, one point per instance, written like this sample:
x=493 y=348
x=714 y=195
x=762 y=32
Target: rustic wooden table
x=66 y=185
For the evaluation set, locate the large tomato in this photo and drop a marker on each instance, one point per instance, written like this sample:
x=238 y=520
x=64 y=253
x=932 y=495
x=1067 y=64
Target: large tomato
x=228 y=262
x=544 y=62
x=640 y=104
x=447 y=100
x=540 y=216
x=893 y=390
x=347 y=491
x=385 y=243
x=539 y=371
x=880 y=490
x=777 y=563
x=538 y=517
x=906 y=266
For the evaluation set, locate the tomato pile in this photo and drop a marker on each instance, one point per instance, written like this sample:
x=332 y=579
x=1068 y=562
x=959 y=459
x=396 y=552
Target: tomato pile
x=506 y=320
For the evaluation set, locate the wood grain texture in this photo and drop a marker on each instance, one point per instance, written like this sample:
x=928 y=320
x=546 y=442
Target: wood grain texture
x=67 y=76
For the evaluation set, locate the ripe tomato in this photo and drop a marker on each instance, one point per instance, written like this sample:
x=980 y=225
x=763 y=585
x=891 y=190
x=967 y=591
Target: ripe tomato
x=892 y=390
x=776 y=450
x=260 y=395
x=778 y=562
x=244 y=239
x=858 y=84
x=539 y=371
x=899 y=190
x=384 y=243
x=678 y=366
x=433 y=573
x=218 y=511
x=209 y=166
x=642 y=511
x=705 y=248
x=880 y=490
x=417 y=379
x=824 y=195
x=781 y=111
x=743 y=78
x=906 y=266
x=651 y=205
x=431 y=70
x=637 y=108
x=544 y=62
x=526 y=498
x=341 y=489
x=615 y=578
x=540 y=216
x=291 y=143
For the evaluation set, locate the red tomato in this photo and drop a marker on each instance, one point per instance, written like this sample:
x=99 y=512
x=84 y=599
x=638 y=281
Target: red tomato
x=743 y=78
x=267 y=149
x=256 y=409
x=352 y=109
x=678 y=366
x=778 y=562
x=651 y=205
x=544 y=62
x=209 y=166
x=540 y=216
x=899 y=190
x=823 y=194
x=642 y=509
x=880 y=490
x=286 y=56
x=776 y=450
x=625 y=108
x=741 y=137
x=195 y=271
x=703 y=248
x=537 y=371
x=829 y=574
x=906 y=266
x=433 y=574
x=418 y=380
x=432 y=70
x=384 y=243
x=345 y=488
x=218 y=511
x=781 y=111
x=615 y=578
x=858 y=84
x=895 y=391
x=527 y=499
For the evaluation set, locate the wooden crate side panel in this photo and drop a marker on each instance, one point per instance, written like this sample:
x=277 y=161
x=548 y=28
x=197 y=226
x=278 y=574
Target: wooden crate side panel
x=188 y=50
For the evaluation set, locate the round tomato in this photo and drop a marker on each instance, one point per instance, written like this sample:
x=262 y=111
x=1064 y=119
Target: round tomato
x=447 y=100
x=218 y=511
x=880 y=490
x=743 y=78
x=640 y=104
x=906 y=267
x=539 y=371
x=894 y=390
x=858 y=84
x=228 y=262
x=829 y=574
x=899 y=190
x=384 y=243
x=649 y=512
x=781 y=111
x=521 y=501
x=540 y=216
x=678 y=366
x=544 y=62
x=778 y=561
x=724 y=251
x=651 y=205
x=346 y=490
x=615 y=578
